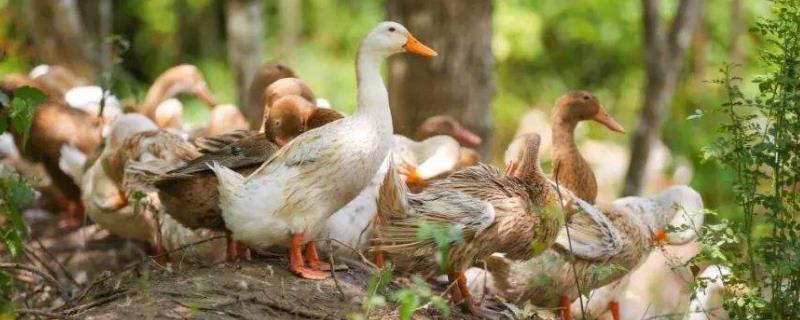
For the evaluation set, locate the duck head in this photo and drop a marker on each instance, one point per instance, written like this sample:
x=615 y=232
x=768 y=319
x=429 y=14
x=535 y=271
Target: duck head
x=522 y=156
x=389 y=38
x=286 y=119
x=447 y=125
x=576 y=106
x=288 y=86
x=183 y=78
x=226 y=118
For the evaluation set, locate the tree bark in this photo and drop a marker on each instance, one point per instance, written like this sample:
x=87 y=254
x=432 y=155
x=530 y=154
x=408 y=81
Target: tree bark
x=459 y=82
x=60 y=37
x=738 y=28
x=291 y=23
x=664 y=59
x=245 y=27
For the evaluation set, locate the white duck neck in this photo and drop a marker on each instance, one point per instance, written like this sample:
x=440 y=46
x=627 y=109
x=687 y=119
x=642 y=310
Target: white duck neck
x=373 y=99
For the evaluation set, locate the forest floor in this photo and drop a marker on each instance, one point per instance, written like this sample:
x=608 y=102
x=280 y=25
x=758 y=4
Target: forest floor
x=98 y=276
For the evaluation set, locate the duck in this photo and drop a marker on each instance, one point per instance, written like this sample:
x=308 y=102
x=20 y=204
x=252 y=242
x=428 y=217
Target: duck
x=225 y=118
x=595 y=249
x=178 y=79
x=288 y=87
x=189 y=193
x=57 y=79
x=513 y=212
x=327 y=164
x=659 y=284
x=265 y=75
x=54 y=125
x=107 y=186
x=291 y=115
x=570 y=169
x=445 y=125
x=419 y=162
x=89 y=99
x=707 y=300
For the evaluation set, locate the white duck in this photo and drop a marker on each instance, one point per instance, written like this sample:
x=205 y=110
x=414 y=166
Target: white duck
x=293 y=193
x=710 y=295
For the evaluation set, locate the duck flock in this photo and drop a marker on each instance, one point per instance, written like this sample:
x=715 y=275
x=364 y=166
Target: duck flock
x=286 y=170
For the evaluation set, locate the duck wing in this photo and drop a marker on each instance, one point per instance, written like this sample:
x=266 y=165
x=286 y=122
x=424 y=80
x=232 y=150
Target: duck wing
x=433 y=206
x=215 y=143
x=591 y=236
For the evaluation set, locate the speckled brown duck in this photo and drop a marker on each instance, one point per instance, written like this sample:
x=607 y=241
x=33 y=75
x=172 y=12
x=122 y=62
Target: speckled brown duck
x=603 y=248
x=570 y=169
x=512 y=213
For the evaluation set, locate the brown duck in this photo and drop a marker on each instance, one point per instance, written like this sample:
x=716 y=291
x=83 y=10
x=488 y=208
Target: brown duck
x=512 y=213
x=54 y=125
x=265 y=76
x=178 y=79
x=570 y=169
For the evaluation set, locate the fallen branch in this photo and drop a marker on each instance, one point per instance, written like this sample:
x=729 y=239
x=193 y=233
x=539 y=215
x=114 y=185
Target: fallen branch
x=40 y=313
x=342 y=296
x=54 y=283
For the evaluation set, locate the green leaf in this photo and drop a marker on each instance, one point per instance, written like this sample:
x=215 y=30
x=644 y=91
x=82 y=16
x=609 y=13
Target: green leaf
x=26 y=99
x=409 y=302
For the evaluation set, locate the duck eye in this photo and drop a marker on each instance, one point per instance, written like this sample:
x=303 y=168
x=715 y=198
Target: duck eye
x=586 y=98
x=391 y=29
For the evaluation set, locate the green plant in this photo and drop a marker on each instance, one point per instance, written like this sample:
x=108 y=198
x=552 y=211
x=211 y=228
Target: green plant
x=760 y=144
x=15 y=191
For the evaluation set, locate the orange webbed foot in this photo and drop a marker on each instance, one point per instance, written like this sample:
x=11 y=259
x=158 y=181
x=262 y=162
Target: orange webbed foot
x=314 y=262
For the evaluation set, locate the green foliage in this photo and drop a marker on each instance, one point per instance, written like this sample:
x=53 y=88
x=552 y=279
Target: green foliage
x=21 y=110
x=760 y=145
x=444 y=236
x=418 y=294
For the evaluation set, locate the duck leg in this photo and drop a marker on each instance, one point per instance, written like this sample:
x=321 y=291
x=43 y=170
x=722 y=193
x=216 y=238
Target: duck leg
x=314 y=262
x=162 y=257
x=455 y=292
x=296 y=263
x=75 y=212
x=243 y=251
x=613 y=306
x=566 y=304
x=232 y=251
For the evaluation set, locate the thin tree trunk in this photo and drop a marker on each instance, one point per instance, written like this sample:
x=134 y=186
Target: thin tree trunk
x=664 y=57
x=459 y=82
x=60 y=36
x=738 y=28
x=291 y=22
x=245 y=27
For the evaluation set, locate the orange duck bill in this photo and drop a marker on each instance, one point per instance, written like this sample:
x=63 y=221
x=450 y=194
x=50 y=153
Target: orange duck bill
x=414 y=46
x=608 y=121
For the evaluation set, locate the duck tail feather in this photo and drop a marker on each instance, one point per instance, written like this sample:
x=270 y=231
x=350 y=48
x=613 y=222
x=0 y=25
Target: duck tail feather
x=393 y=194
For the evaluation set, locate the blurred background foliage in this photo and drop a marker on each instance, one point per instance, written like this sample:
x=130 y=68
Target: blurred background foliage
x=542 y=48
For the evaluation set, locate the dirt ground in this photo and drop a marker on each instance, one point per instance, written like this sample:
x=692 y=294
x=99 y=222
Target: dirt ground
x=98 y=276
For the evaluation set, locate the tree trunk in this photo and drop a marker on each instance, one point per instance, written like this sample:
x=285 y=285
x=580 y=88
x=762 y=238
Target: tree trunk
x=664 y=57
x=738 y=28
x=291 y=23
x=459 y=82
x=245 y=27
x=60 y=37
